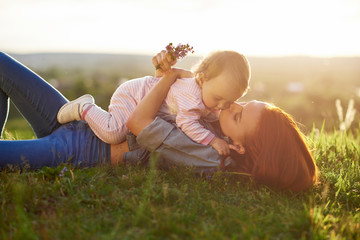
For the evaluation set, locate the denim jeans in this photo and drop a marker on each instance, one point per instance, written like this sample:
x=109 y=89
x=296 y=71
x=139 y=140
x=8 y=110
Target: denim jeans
x=39 y=103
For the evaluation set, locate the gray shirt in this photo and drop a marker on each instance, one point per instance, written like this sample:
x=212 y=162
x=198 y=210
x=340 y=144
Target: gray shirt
x=174 y=148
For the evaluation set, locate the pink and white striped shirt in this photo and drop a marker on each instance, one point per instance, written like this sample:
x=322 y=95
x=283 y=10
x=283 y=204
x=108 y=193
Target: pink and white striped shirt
x=183 y=99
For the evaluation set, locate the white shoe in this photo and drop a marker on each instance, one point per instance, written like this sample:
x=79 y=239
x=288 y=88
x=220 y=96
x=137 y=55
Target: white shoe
x=72 y=110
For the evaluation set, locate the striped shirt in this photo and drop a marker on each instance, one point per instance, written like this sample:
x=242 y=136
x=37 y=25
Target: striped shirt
x=183 y=99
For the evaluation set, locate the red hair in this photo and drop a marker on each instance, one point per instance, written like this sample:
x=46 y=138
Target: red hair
x=277 y=155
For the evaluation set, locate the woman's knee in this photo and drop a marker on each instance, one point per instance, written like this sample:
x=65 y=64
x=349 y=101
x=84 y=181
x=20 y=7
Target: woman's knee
x=2 y=55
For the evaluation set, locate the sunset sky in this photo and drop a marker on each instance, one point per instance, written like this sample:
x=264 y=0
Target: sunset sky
x=254 y=27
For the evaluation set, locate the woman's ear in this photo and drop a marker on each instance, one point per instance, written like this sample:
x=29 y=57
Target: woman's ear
x=240 y=149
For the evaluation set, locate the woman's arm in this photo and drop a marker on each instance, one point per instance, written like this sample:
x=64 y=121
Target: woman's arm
x=147 y=109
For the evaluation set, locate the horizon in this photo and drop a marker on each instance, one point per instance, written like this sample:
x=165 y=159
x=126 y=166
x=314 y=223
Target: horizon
x=192 y=55
x=258 y=28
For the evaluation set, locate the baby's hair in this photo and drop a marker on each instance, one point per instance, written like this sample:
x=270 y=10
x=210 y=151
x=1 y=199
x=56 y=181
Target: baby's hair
x=231 y=61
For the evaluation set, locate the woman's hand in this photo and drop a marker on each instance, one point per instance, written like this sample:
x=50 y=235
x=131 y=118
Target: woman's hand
x=163 y=63
x=183 y=73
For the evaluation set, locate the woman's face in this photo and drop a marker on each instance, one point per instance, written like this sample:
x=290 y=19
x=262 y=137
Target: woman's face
x=241 y=120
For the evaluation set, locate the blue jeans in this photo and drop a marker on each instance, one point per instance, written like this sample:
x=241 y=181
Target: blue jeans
x=39 y=103
x=35 y=99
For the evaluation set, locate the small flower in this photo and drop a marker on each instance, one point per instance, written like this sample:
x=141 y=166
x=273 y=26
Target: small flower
x=180 y=51
x=62 y=172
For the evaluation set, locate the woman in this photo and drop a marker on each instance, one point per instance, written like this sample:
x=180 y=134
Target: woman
x=278 y=158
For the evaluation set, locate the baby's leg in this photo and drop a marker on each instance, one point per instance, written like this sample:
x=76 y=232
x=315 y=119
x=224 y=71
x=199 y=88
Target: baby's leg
x=35 y=99
x=111 y=126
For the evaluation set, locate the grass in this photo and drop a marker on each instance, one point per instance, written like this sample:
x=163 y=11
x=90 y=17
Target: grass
x=18 y=128
x=147 y=203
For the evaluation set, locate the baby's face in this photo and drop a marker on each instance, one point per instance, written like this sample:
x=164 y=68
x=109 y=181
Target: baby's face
x=220 y=92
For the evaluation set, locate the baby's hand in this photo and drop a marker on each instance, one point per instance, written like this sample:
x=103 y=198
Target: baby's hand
x=220 y=146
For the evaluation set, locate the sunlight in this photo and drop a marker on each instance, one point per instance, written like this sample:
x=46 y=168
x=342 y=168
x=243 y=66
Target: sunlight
x=305 y=28
x=264 y=28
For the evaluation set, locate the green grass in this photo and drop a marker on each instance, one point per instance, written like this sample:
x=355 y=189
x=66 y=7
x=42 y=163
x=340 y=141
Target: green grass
x=18 y=128
x=146 y=203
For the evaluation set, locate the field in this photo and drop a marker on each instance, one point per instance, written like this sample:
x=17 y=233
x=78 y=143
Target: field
x=147 y=203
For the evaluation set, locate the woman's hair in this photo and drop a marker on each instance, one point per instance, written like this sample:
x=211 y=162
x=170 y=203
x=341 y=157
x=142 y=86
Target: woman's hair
x=277 y=155
x=233 y=62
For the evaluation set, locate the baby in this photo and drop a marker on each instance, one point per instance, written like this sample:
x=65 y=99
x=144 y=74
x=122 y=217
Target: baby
x=220 y=79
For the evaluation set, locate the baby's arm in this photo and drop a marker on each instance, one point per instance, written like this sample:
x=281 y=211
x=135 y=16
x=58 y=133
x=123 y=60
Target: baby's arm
x=221 y=146
x=189 y=124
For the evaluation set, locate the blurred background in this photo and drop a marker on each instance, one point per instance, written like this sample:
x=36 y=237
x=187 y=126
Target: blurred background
x=304 y=54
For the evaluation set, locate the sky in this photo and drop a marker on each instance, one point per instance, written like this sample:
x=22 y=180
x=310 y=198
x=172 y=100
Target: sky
x=325 y=28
